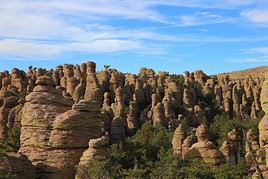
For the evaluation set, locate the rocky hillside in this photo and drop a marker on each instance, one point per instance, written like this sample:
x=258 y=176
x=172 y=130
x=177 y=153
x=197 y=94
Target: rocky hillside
x=243 y=74
x=72 y=115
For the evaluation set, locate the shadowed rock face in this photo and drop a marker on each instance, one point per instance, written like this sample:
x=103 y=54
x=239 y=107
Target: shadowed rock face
x=118 y=132
x=8 y=104
x=17 y=164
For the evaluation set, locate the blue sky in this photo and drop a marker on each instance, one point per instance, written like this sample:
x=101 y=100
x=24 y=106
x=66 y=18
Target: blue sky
x=166 y=35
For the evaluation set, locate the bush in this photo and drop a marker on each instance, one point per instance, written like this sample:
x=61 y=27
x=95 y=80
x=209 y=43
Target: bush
x=5 y=175
x=12 y=143
x=231 y=171
x=148 y=154
x=135 y=157
x=97 y=168
x=219 y=128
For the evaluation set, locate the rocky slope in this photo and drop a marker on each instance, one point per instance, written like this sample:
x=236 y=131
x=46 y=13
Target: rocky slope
x=70 y=114
x=243 y=74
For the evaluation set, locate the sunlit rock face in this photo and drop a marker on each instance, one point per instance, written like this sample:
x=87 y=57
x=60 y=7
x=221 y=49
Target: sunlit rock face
x=68 y=109
x=204 y=148
x=54 y=134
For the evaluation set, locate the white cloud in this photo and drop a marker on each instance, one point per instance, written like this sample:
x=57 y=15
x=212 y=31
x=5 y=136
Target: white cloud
x=93 y=8
x=256 y=15
x=203 y=18
x=249 y=60
x=207 y=4
x=103 y=46
x=263 y=50
x=257 y=55
x=203 y=30
x=258 y=50
x=35 y=49
x=28 y=49
x=46 y=28
x=33 y=28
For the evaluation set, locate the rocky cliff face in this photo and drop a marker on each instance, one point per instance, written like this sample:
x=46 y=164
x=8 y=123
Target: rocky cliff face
x=54 y=135
x=39 y=113
x=67 y=110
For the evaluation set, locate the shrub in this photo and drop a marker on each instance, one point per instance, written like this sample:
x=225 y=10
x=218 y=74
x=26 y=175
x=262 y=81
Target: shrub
x=12 y=143
x=148 y=154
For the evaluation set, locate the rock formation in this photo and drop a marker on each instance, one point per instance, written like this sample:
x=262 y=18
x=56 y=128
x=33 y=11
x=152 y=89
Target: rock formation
x=177 y=140
x=53 y=135
x=96 y=148
x=8 y=104
x=93 y=91
x=38 y=114
x=118 y=129
x=69 y=106
x=18 y=165
x=204 y=148
x=230 y=148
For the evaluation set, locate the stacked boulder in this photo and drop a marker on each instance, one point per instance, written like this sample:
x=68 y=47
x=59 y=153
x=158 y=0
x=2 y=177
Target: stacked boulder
x=230 y=148
x=177 y=140
x=204 y=148
x=54 y=135
x=38 y=115
x=96 y=148
x=70 y=134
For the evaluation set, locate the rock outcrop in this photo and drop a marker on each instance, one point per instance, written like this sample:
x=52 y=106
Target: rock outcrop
x=53 y=135
x=204 y=148
x=38 y=115
x=8 y=104
x=17 y=165
x=177 y=140
x=70 y=105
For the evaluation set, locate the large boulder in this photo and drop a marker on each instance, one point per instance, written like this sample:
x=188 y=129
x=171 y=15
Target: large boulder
x=54 y=135
x=38 y=114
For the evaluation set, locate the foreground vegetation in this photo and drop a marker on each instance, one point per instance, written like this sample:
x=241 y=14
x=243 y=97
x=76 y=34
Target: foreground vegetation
x=148 y=154
x=12 y=144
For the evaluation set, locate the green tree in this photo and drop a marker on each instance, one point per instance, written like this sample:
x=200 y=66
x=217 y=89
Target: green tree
x=12 y=143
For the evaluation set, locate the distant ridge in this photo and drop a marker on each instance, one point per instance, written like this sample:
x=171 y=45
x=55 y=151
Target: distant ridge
x=256 y=72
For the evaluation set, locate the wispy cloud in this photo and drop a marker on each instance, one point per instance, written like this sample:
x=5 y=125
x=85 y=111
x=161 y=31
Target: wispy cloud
x=33 y=29
x=203 y=18
x=256 y=50
x=259 y=16
x=263 y=50
x=256 y=55
x=249 y=60
x=28 y=49
x=207 y=4
x=38 y=49
x=43 y=29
